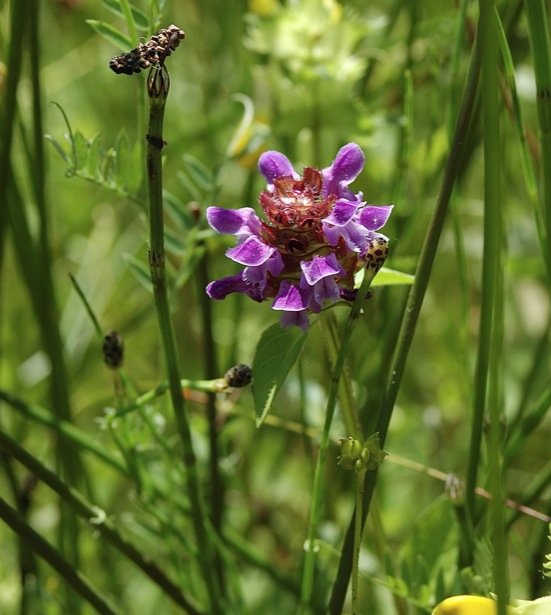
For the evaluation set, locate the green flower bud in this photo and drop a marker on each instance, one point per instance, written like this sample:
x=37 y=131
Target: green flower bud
x=350 y=453
x=376 y=454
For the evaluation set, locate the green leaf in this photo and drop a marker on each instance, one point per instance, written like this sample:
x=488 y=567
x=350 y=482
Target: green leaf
x=140 y=18
x=276 y=353
x=199 y=173
x=81 y=150
x=178 y=212
x=140 y=271
x=59 y=150
x=386 y=277
x=122 y=168
x=93 y=160
x=431 y=537
x=111 y=34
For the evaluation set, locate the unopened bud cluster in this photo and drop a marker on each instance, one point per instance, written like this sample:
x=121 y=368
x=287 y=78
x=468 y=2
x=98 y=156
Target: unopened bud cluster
x=154 y=52
x=357 y=456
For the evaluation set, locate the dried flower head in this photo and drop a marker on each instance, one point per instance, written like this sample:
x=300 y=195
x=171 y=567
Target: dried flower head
x=315 y=236
x=152 y=53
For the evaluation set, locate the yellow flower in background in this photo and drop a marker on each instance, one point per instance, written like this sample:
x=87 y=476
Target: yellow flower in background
x=466 y=605
x=263 y=7
x=477 y=605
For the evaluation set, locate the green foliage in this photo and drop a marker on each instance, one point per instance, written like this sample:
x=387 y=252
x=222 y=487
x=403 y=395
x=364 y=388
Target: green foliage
x=277 y=351
x=119 y=168
x=310 y=75
x=547 y=564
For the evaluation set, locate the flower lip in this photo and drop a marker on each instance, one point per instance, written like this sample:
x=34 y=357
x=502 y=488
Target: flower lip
x=252 y=252
x=374 y=217
x=347 y=165
x=274 y=165
x=240 y=222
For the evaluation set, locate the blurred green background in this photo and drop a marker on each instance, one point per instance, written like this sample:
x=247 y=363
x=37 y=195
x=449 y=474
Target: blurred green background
x=303 y=78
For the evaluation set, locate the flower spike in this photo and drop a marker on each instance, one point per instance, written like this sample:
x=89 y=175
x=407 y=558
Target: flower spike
x=314 y=236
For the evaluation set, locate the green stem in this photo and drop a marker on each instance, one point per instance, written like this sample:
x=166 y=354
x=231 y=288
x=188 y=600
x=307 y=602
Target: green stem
x=347 y=405
x=358 y=529
x=99 y=521
x=54 y=558
x=216 y=485
x=411 y=316
x=315 y=512
x=540 y=42
x=129 y=18
x=67 y=431
x=158 y=86
x=490 y=352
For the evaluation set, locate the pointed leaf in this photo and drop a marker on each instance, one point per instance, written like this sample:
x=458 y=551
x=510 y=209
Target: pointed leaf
x=92 y=162
x=59 y=149
x=111 y=34
x=386 y=277
x=199 y=173
x=140 y=271
x=140 y=18
x=276 y=353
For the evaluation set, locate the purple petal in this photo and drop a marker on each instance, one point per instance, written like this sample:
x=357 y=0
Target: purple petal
x=274 y=165
x=290 y=297
x=251 y=252
x=348 y=164
x=342 y=212
x=373 y=217
x=321 y=267
x=346 y=167
x=257 y=275
x=354 y=234
x=233 y=221
x=220 y=289
x=292 y=319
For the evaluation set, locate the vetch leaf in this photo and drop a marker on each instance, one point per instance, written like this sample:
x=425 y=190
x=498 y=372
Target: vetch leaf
x=276 y=353
x=199 y=173
x=140 y=18
x=111 y=34
x=140 y=271
x=59 y=150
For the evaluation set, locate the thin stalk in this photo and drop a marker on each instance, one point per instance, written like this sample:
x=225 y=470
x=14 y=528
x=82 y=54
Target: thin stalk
x=540 y=42
x=129 y=18
x=347 y=405
x=528 y=425
x=99 y=521
x=67 y=431
x=411 y=316
x=525 y=159
x=358 y=529
x=158 y=86
x=490 y=351
x=216 y=485
x=531 y=493
x=54 y=558
x=315 y=512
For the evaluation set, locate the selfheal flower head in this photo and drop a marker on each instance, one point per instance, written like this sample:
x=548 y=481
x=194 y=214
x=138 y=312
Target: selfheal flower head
x=314 y=236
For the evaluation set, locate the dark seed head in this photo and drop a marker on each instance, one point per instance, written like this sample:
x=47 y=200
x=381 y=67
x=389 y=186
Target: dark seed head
x=113 y=349
x=238 y=376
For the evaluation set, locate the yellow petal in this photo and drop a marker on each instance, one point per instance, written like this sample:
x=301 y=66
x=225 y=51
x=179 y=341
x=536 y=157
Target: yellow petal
x=466 y=605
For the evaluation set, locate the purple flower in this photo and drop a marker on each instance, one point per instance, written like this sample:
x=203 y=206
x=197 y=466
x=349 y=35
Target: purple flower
x=305 y=251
